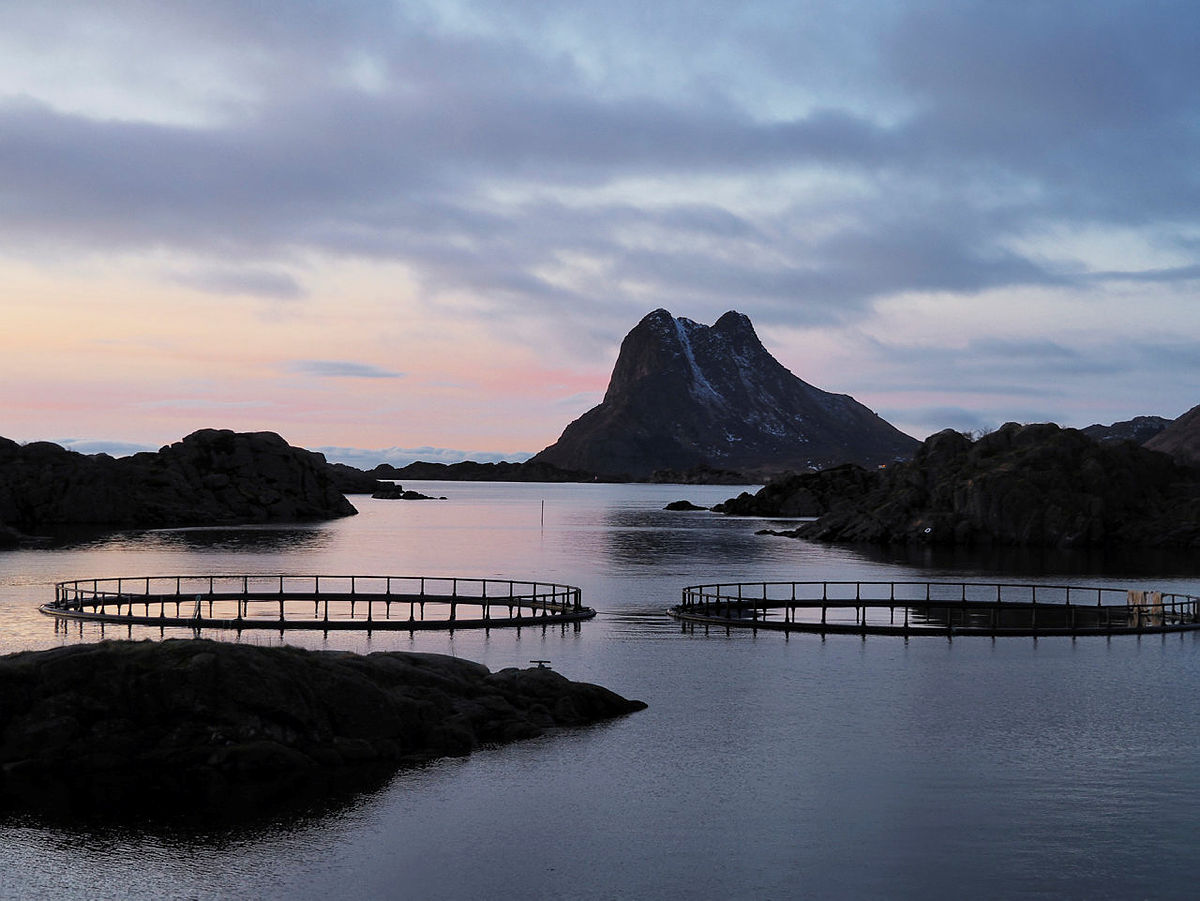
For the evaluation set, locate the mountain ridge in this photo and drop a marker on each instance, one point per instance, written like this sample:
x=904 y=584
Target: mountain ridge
x=683 y=395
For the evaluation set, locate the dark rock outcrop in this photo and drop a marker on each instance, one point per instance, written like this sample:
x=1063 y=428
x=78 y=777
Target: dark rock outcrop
x=350 y=480
x=1139 y=430
x=683 y=506
x=683 y=394
x=125 y=724
x=1026 y=486
x=1181 y=439
x=806 y=494
x=389 y=492
x=469 y=471
x=211 y=477
x=700 y=475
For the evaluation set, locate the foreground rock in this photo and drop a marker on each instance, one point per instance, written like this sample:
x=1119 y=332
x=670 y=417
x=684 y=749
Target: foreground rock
x=133 y=724
x=1021 y=486
x=211 y=477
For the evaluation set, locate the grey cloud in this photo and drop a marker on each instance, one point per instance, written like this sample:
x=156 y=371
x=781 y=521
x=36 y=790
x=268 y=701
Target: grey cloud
x=968 y=125
x=1169 y=274
x=259 y=282
x=341 y=369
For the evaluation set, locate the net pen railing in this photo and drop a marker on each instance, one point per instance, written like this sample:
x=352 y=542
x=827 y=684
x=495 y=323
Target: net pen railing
x=937 y=607
x=311 y=601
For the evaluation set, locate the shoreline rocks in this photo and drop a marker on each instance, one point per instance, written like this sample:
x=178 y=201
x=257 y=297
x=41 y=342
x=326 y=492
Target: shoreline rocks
x=211 y=477
x=1020 y=486
x=130 y=724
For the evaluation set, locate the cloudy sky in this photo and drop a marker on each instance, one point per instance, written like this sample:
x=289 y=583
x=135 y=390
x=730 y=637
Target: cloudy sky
x=428 y=225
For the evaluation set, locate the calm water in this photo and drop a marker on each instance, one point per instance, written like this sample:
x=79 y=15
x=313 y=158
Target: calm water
x=765 y=766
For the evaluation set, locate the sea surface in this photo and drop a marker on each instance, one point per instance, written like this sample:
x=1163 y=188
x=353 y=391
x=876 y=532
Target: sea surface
x=766 y=766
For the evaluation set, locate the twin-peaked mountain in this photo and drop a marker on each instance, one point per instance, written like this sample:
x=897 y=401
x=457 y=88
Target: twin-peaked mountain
x=685 y=395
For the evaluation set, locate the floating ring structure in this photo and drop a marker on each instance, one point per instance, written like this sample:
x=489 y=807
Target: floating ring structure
x=936 y=608
x=324 y=602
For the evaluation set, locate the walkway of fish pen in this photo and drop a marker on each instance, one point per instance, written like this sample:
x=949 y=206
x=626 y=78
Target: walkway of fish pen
x=936 y=608
x=320 y=602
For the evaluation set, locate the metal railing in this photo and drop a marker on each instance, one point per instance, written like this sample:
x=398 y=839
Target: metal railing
x=938 y=608
x=285 y=601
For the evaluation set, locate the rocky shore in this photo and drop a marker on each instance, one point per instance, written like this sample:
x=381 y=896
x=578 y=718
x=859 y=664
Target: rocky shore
x=130 y=725
x=1020 y=486
x=211 y=477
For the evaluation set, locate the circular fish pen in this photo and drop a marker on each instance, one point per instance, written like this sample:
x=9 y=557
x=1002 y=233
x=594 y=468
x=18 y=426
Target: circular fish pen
x=936 y=608
x=326 y=603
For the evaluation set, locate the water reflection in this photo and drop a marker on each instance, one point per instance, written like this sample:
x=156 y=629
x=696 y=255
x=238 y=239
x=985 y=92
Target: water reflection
x=651 y=537
x=249 y=539
x=254 y=539
x=1013 y=564
x=101 y=811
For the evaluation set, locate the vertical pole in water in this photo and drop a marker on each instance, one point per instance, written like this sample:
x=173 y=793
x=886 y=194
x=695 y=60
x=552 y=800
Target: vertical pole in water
x=543 y=512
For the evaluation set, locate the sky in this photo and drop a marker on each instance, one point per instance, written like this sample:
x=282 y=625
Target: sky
x=422 y=229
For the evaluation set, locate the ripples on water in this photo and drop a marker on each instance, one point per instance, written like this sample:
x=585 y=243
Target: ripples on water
x=766 y=766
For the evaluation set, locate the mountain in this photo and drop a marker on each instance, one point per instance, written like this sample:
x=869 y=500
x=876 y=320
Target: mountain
x=1181 y=439
x=684 y=395
x=1140 y=429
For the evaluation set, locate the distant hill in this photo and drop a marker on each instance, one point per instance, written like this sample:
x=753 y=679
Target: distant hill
x=684 y=395
x=1139 y=430
x=1180 y=439
x=469 y=471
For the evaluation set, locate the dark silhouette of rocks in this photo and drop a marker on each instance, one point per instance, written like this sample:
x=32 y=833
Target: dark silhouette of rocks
x=801 y=495
x=391 y=492
x=684 y=506
x=211 y=477
x=350 y=480
x=700 y=475
x=129 y=724
x=469 y=471
x=1032 y=486
x=1139 y=430
x=1180 y=439
x=683 y=394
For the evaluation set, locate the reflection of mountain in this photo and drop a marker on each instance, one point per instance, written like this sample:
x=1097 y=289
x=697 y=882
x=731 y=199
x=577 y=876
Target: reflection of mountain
x=652 y=537
x=685 y=395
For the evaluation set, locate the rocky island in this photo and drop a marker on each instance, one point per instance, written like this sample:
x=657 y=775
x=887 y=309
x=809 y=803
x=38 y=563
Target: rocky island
x=1022 y=486
x=143 y=724
x=211 y=477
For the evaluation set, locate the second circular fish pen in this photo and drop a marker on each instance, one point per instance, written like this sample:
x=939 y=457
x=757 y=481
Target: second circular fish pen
x=321 y=602
x=937 y=608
